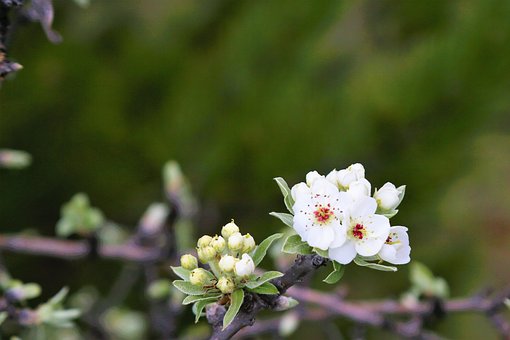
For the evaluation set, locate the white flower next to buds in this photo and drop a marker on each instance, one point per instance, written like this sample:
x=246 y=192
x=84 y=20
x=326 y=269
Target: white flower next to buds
x=204 y=241
x=236 y=242
x=227 y=263
x=245 y=266
x=189 y=262
x=388 y=197
x=218 y=243
x=248 y=243
x=226 y=285
x=199 y=277
x=229 y=229
x=353 y=173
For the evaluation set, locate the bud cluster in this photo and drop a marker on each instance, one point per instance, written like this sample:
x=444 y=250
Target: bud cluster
x=227 y=256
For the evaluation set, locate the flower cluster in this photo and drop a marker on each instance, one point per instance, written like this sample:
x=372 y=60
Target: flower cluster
x=339 y=217
x=231 y=260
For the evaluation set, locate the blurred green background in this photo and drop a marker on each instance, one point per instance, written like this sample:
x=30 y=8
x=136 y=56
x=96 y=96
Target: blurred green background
x=240 y=92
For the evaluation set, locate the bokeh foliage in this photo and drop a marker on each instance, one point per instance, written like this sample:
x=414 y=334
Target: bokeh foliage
x=243 y=91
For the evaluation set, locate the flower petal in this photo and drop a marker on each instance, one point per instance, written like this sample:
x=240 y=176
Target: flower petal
x=344 y=254
x=320 y=237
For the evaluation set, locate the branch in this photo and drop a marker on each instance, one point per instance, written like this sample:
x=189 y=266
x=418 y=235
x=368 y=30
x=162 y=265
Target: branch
x=254 y=303
x=73 y=250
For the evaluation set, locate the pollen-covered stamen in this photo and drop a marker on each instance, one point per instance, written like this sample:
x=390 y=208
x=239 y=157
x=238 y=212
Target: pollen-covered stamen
x=358 y=231
x=323 y=214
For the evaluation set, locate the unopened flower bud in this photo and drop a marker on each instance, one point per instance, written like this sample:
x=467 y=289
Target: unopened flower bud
x=199 y=277
x=227 y=263
x=388 y=197
x=353 y=173
x=236 y=242
x=311 y=177
x=245 y=266
x=189 y=262
x=204 y=241
x=218 y=243
x=225 y=285
x=248 y=243
x=206 y=254
x=229 y=229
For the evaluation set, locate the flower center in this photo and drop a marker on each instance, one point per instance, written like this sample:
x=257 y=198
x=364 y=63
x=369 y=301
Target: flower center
x=323 y=214
x=359 y=231
x=391 y=241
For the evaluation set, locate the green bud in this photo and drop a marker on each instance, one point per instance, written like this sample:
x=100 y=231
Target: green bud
x=199 y=277
x=204 y=241
x=227 y=263
x=226 y=285
x=236 y=242
x=189 y=262
x=218 y=243
x=229 y=229
x=248 y=243
x=206 y=254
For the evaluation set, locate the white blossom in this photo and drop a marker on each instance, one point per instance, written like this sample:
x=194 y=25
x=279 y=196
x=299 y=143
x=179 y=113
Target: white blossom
x=245 y=266
x=317 y=213
x=388 y=197
x=227 y=263
x=343 y=178
x=366 y=231
x=396 y=249
x=311 y=177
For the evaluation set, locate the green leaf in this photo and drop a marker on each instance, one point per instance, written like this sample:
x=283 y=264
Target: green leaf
x=188 y=288
x=181 y=272
x=264 y=278
x=199 y=306
x=360 y=262
x=323 y=253
x=191 y=299
x=284 y=217
x=287 y=197
x=236 y=300
x=336 y=274
x=260 y=252
x=294 y=245
x=265 y=288
x=3 y=316
x=59 y=297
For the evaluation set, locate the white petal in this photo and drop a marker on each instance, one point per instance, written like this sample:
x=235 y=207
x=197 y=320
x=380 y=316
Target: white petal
x=369 y=246
x=344 y=254
x=320 y=237
x=363 y=206
x=376 y=225
x=340 y=236
x=332 y=177
x=311 y=177
x=300 y=223
x=299 y=190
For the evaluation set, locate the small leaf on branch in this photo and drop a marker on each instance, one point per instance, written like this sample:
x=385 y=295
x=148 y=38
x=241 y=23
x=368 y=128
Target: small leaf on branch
x=294 y=245
x=195 y=298
x=181 y=272
x=188 y=288
x=260 y=252
x=360 y=262
x=284 y=217
x=199 y=306
x=287 y=197
x=236 y=300
x=336 y=274
x=264 y=278
x=266 y=288
x=323 y=253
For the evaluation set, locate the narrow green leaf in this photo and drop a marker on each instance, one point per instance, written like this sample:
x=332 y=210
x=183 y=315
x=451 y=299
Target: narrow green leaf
x=264 y=278
x=265 y=288
x=360 y=262
x=59 y=297
x=260 y=252
x=195 y=298
x=287 y=197
x=284 y=217
x=181 y=272
x=3 y=316
x=236 y=300
x=336 y=274
x=294 y=245
x=199 y=306
x=188 y=288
